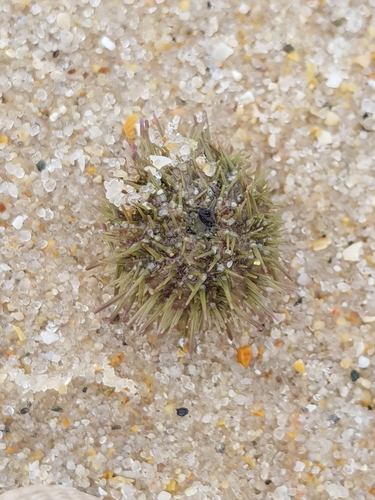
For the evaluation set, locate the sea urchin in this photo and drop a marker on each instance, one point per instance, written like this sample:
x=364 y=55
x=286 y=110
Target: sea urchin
x=193 y=234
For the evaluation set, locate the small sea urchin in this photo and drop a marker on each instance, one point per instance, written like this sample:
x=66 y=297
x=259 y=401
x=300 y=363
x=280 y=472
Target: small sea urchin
x=193 y=234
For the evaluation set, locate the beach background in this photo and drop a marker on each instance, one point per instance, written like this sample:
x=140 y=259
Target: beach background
x=92 y=405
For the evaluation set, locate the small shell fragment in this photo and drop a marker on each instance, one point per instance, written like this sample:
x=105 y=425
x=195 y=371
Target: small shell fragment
x=42 y=492
x=363 y=362
x=324 y=137
x=368 y=319
x=331 y=119
x=352 y=252
x=321 y=244
x=201 y=162
x=160 y=161
x=209 y=169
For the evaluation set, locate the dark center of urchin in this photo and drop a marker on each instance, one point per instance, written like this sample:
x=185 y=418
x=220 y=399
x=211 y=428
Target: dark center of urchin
x=207 y=217
x=197 y=251
x=200 y=221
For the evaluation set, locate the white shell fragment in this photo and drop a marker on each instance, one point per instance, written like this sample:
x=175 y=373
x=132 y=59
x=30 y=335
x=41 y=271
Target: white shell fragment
x=209 y=169
x=334 y=80
x=245 y=98
x=160 y=161
x=368 y=106
x=49 y=335
x=363 y=362
x=368 y=319
x=200 y=162
x=324 y=138
x=18 y=221
x=331 y=119
x=42 y=492
x=221 y=52
x=152 y=171
x=63 y=21
x=114 y=188
x=352 y=252
x=164 y=495
x=107 y=43
x=321 y=244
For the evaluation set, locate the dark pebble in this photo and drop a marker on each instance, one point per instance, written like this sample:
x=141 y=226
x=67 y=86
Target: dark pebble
x=267 y=481
x=354 y=375
x=84 y=389
x=41 y=165
x=25 y=410
x=334 y=418
x=56 y=408
x=6 y=430
x=182 y=412
x=221 y=448
x=288 y=48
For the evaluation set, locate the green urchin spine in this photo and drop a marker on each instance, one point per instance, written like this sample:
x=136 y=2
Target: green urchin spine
x=200 y=251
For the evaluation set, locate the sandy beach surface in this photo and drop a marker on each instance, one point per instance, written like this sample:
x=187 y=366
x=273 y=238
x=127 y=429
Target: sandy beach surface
x=87 y=404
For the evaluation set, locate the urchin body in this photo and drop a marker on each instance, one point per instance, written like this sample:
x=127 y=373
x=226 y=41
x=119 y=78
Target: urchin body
x=195 y=239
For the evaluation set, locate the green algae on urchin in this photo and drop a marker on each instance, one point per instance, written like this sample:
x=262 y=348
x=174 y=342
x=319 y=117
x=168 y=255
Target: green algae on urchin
x=193 y=235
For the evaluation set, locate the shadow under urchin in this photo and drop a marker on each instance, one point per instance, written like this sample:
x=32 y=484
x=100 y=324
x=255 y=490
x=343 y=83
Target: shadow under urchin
x=198 y=248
